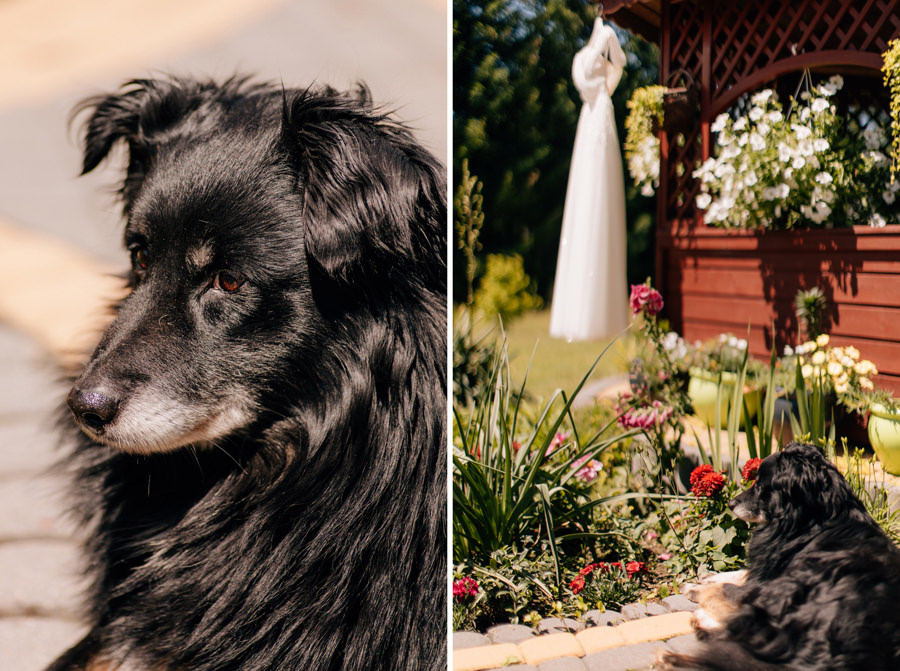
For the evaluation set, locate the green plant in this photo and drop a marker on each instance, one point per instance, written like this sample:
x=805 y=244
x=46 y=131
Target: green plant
x=473 y=356
x=891 y=72
x=867 y=482
x=469 y=220
x=645 y=113
x=811 y=308
x=505 y=289
x=520 y=480
x=701 y=531
x=604 y=585
x=511 y=583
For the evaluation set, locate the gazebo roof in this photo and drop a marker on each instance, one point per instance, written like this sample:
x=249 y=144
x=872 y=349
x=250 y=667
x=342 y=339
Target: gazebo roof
x=639 y=16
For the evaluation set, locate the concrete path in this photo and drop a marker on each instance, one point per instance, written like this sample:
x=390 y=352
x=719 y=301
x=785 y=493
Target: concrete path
x=60 y=236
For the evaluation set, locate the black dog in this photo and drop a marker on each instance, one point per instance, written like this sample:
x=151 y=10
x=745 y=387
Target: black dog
x=822 y=589
x=262 y=465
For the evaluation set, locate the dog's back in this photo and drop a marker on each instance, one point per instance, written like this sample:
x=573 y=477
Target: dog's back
x=261 y=465
x=823 y=579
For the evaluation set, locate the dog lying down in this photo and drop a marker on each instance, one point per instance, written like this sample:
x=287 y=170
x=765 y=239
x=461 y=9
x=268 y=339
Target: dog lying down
x=260 y=463
x=821 y=591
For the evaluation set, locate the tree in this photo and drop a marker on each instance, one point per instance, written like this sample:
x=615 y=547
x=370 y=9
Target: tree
x=515 y=110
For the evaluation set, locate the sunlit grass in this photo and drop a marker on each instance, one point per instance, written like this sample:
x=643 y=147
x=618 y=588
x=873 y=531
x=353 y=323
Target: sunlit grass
x=557 y=363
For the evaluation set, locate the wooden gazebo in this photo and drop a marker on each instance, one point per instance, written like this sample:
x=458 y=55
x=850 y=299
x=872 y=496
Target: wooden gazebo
x=716 y=281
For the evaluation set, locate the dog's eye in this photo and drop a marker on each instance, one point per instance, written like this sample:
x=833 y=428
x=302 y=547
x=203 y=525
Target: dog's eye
x=139 y=258
x=225 y=281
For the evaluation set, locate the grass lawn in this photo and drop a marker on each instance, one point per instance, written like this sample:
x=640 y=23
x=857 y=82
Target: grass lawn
x=557 y=363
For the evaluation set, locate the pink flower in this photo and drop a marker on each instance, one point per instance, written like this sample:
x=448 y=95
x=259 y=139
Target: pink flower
x=647 y=416
x=665 y=556
x=589 y=469
x=645 y=300
x=465 y=588
x=558 y=440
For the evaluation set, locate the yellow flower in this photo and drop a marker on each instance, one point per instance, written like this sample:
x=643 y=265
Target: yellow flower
x=818 y=358
x=852 y=352
x=841 y=388
x=835 y=369
x=822 y=340
x=807 y=370
x=866 y=383
x=837 y=353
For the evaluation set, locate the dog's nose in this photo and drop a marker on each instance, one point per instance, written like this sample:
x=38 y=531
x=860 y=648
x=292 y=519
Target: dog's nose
x=92 y=408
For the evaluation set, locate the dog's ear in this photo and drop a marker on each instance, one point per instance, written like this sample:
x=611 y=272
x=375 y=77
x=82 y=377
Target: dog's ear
x=138 y=114
x=373 y=200
x=814 y=485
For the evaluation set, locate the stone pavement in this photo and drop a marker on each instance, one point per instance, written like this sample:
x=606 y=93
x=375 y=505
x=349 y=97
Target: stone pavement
x=60 y=236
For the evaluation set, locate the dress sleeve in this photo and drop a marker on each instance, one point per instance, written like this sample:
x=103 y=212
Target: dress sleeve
x=617 y=60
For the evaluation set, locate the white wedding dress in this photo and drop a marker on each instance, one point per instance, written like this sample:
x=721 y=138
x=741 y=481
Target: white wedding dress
x=590 y=295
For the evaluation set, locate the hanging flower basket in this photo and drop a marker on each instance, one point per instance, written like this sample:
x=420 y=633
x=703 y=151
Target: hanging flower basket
x=681 y=104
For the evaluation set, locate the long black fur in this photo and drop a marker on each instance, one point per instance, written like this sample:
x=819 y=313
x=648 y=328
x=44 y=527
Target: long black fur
x=313 y=535
x=823 y=586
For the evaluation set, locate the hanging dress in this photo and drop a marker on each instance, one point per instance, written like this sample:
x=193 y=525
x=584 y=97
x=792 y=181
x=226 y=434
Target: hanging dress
x=590 y=295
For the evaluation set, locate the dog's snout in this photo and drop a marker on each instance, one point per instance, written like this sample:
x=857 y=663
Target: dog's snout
x=93 y=408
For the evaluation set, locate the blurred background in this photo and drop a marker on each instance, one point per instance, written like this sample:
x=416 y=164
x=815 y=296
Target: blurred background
x=60 y=236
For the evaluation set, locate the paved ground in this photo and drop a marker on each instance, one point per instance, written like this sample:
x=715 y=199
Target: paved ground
x=59 y=236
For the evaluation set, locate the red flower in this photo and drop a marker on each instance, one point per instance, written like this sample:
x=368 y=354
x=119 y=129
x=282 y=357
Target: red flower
x=698 y=473
x=645 y=299
x=705 y=481
x=750 y=469
x=587 y=569
x=465 y=588
x=577 y=585
x=634 y=567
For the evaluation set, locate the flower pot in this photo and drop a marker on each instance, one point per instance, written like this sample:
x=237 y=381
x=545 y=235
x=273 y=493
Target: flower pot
x=702 y=393
x=884 y=434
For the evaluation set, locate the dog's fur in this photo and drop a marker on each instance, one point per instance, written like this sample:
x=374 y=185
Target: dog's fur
x=261 y=464
x=822 y=586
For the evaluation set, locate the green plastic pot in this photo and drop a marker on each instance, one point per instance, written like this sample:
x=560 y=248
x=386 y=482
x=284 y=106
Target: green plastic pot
x=702 y=393
x=884 y=435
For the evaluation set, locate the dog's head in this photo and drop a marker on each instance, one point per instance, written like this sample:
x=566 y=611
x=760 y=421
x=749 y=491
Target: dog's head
x=259 y=221
x=795 y=489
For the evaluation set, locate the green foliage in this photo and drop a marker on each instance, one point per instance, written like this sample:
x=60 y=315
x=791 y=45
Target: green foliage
x=867 y=482
x=704 y=534
x=645 y=109
x=469 y=219
x=891 y=71
x=515 y=110
x=512 y=583
x=505 y=289
x=473 y=356
x=516 y=478
x=811 y=308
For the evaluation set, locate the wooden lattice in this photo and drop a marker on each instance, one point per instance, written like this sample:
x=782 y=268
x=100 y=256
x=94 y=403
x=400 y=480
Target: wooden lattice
x=737 y=46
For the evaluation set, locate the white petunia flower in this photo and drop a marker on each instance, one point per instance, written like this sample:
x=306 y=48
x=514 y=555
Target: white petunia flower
x=703 y=200
x=877 y=221
x=824 y=178
x=719 y=124
x=820 y=144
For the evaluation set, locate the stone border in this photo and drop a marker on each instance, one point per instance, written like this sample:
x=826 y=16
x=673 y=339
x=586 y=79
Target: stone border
x=630 y=640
